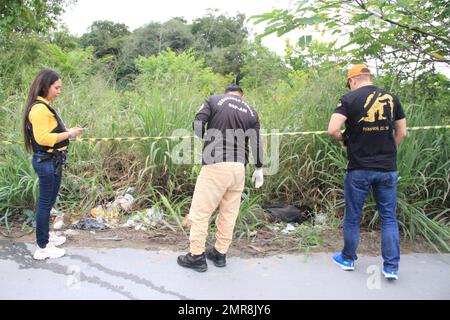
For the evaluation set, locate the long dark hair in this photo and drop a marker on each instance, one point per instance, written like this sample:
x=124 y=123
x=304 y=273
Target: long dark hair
x=39 y=87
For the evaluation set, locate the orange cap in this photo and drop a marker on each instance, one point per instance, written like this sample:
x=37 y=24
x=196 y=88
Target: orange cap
x=357 y=70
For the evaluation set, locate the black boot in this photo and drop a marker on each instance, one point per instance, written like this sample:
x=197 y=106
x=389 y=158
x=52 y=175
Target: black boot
x=215 y=256
x=196 y=262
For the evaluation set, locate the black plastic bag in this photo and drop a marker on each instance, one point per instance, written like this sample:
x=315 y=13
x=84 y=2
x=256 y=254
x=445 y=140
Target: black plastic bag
x=89 y=224
x=289 y=213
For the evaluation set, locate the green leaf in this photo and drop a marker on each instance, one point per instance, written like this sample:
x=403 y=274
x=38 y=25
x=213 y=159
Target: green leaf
x=304 y=41
x=308 y=20
x=360 y=17
x=403 y=3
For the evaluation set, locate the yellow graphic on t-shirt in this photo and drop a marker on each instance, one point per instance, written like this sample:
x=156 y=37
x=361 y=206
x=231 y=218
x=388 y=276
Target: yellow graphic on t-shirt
x=379 y=110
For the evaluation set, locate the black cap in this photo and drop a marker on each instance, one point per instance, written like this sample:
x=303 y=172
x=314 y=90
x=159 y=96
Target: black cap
x=234 y=87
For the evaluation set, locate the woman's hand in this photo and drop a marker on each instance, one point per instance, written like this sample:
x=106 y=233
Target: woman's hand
x=74 y=132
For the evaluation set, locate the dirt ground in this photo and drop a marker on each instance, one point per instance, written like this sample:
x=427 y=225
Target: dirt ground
x=263 y=242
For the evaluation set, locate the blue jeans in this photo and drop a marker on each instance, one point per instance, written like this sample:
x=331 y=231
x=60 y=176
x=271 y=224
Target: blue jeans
x=357 y=184
x=49 y=183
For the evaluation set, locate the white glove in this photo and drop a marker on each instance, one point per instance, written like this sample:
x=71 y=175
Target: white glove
x=258 y=177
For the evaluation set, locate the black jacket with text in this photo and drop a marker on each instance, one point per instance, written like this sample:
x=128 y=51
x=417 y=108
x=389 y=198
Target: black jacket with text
x=230 y=125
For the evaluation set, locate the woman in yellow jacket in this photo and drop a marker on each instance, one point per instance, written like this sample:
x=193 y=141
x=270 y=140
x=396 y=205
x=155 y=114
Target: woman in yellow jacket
x=47 y=137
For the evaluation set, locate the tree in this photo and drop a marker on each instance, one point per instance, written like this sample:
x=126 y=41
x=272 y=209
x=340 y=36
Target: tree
x=30 y=16
x=410 y=34
x=156 y=37
x=106 y=37
x=219 y=30
x=64 y=39
x=150 y=40
x=262 y=67
x=219 y=40
x=175 y=35
x=314 y=55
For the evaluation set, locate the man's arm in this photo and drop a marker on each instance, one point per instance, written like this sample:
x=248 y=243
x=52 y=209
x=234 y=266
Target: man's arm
x=400 y=131
x=201 y=119
x=334 y=127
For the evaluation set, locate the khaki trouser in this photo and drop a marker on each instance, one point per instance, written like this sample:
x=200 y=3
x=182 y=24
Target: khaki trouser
x=217 y=184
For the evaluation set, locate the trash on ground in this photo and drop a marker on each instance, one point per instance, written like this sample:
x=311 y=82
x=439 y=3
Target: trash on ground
x=320 y=218
x=89 y=224
x=253 y=233
x=289 y=228
x=274 y=228
x=55 y=212
x=144 y=219
x=289 y=213
x=124 y=202
x=130 y=190
x=110 y=216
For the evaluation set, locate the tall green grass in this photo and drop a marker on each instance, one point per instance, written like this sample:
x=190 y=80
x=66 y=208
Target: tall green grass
x=165 y=97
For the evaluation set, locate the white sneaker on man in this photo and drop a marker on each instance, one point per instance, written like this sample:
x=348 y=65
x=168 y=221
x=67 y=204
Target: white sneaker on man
x=50 y=252
x=55 y=239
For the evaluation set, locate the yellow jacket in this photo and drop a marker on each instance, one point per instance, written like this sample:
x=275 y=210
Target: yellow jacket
x=43 y=122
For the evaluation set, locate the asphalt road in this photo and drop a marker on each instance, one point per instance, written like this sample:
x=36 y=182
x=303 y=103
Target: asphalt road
x=124 y=273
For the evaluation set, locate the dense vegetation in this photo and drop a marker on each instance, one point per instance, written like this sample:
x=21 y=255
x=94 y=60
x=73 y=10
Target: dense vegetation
x=151 y=81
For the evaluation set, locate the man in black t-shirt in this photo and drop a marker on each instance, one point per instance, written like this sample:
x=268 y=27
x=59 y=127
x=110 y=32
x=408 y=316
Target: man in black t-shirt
x=231 y=124
x=375 y=125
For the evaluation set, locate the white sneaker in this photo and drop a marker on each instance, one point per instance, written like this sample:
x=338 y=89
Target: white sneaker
x=50 y=252
x=55 y=240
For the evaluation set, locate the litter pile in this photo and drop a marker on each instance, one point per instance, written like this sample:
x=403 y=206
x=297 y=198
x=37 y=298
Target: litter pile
x=111 y=216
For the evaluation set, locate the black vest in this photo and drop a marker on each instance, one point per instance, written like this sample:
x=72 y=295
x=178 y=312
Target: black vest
x=59 y=129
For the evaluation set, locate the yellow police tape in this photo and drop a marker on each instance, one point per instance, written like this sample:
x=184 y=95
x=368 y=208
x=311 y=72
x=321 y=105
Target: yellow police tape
x=297 y=133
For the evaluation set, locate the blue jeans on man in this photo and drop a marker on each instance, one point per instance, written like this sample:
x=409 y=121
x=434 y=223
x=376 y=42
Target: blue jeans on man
x=49 y=183
x=357 y=185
